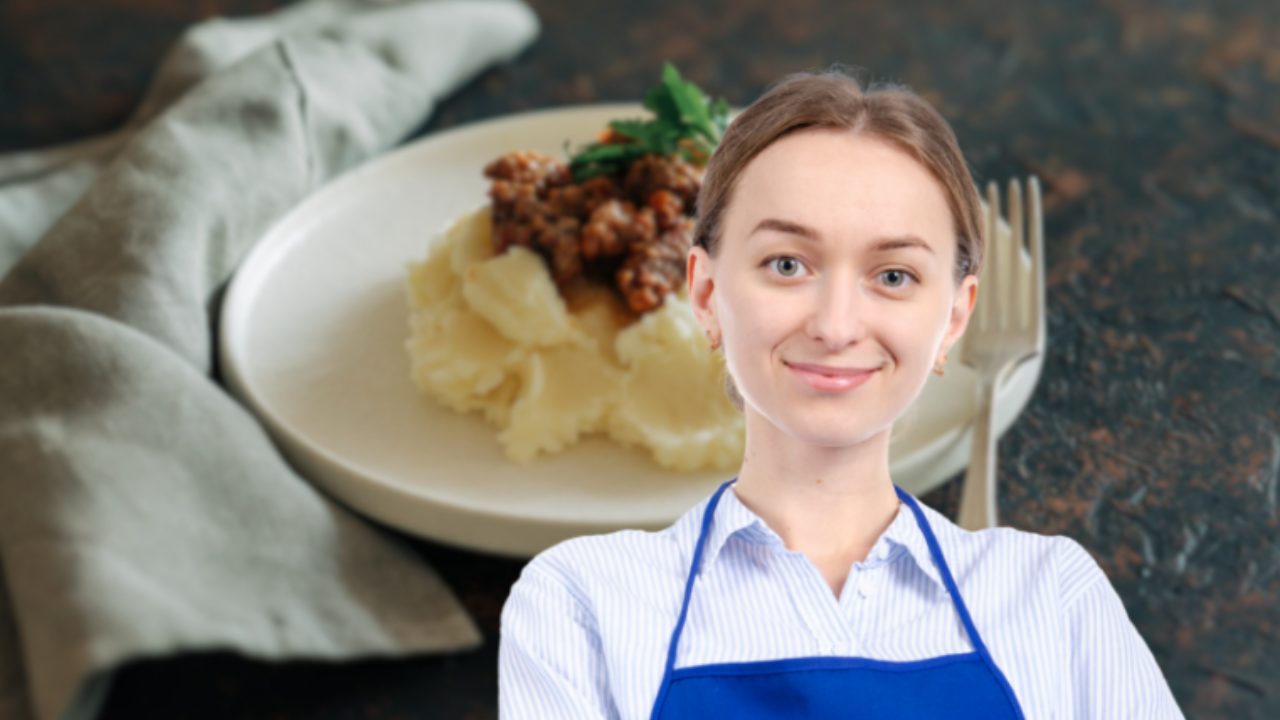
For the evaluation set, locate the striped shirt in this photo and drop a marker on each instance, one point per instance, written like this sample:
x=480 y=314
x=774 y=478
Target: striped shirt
x=584 y=632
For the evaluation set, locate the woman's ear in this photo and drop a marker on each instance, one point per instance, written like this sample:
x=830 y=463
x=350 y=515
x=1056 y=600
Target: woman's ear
x=967 y=299
x=699 y=272
x=961 y=311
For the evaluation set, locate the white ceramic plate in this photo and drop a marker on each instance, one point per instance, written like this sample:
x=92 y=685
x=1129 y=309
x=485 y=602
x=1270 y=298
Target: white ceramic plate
x=312 y=340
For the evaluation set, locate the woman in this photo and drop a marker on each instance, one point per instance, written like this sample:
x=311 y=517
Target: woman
x=835 y=263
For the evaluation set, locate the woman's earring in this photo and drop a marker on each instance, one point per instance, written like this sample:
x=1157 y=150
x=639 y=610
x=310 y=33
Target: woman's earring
x=938 y=367
x=714 y=339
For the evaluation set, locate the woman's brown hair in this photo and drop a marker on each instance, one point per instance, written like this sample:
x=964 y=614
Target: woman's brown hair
x=834 y=100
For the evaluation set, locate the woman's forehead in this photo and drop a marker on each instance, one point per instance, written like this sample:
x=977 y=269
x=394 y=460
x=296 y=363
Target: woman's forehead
x=828 y=185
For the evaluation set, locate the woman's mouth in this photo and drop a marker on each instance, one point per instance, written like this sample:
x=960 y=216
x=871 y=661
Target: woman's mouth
x=828 y=378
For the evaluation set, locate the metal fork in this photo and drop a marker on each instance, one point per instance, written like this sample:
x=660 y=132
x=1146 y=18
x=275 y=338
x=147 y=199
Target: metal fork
x=1007 y=328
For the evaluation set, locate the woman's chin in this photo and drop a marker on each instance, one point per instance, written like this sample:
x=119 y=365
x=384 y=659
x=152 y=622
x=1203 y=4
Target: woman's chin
x=835 y=430
x=853 y=437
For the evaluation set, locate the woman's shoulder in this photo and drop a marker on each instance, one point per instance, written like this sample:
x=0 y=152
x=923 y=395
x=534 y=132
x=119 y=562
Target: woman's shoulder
x=1054 y=562
x=591 y=554
x=627 y=562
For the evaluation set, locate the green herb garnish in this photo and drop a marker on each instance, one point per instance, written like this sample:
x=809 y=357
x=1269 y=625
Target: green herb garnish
x=686 y=122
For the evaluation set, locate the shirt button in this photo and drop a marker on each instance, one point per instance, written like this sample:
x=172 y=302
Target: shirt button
x=854 y=583
x=865 y=586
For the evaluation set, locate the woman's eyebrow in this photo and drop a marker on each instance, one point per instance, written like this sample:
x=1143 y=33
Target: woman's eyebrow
x=787 y=227
x=790 y=227
x=905 y=241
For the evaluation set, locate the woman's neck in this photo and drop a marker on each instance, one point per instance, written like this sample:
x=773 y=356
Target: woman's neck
x=831 y=504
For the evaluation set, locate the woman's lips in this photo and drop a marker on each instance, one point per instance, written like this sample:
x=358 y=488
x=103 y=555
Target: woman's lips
x=825 y=377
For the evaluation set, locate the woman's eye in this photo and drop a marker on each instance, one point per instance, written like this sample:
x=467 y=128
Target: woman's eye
x=901 y=275
x=785 y=265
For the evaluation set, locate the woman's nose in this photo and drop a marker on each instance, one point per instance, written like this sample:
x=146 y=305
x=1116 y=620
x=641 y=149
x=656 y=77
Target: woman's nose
x=839 y=316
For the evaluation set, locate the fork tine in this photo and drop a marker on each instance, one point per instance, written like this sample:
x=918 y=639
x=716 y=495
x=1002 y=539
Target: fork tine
x=986 y=310
x=1036 y=226
x=1018 y=297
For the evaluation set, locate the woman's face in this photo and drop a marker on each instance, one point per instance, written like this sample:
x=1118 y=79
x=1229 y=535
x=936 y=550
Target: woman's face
x=836 y=256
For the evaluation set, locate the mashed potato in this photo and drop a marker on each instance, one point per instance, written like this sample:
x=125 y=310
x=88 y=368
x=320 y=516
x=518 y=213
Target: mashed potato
x=493 y=334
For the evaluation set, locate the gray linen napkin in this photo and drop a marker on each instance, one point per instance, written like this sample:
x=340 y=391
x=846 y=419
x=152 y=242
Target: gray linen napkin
x=143 y=511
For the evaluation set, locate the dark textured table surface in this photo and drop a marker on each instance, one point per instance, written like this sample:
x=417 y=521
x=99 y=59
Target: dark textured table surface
x=1154 y=435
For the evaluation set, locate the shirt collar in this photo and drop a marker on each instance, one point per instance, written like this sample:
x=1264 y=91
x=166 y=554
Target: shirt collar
x=734 y=519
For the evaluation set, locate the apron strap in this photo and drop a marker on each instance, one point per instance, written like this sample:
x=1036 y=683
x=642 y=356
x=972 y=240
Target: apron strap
x=688 y=587
x=936 y=551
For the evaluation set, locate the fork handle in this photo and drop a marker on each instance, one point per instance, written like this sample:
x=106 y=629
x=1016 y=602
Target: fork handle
x=978 y=496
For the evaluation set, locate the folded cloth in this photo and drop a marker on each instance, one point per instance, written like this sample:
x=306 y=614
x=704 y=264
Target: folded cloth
x=143 y=511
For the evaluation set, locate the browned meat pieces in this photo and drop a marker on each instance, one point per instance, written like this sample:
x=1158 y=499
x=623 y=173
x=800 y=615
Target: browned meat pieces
x=654 y=268
x=581 y=200
x=667 y=208
x=635 y=228
x=559 y=243
x=528 y=166
x=516 y=211
x=656 y=172
x=615 y=226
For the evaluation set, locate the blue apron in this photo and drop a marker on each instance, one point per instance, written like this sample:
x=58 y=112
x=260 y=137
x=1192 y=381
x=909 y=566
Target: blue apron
x=957 y=687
